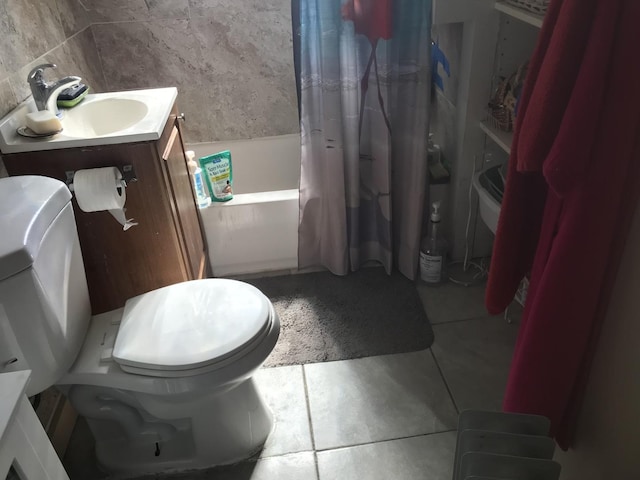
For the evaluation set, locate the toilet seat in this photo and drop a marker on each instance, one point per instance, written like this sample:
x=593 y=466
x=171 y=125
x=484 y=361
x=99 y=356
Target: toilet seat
x=191 y=327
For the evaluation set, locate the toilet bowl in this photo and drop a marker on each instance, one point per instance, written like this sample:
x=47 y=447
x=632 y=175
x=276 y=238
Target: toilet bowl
x=165 y=382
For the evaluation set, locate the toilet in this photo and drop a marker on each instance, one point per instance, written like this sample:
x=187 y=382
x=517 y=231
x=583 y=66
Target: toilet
x=165 y=383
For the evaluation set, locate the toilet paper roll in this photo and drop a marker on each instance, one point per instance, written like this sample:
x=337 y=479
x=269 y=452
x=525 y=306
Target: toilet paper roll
x=100 y=189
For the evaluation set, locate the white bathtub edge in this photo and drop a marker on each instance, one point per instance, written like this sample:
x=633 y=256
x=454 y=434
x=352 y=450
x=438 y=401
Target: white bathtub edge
x=260 y=197
x=256 y=267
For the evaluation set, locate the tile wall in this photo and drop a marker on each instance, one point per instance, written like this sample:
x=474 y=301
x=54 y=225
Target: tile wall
x=231 y=61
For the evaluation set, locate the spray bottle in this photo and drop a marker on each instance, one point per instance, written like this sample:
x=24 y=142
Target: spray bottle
x=433 y=250
x=195 y=171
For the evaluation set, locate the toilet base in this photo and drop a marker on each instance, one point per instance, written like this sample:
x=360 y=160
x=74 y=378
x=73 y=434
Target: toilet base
x=138 y=433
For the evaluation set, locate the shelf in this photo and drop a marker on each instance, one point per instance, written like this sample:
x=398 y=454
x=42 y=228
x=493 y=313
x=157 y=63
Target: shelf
x=502 y=139
x=520 y=14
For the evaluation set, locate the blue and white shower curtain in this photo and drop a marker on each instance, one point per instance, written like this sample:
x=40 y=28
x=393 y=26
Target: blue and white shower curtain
x=363 y=79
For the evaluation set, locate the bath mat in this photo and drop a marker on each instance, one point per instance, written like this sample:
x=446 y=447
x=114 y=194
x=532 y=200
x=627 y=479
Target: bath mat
x=325 y=317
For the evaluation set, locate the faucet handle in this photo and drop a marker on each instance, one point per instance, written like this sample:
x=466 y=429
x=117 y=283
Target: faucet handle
x=35 y=75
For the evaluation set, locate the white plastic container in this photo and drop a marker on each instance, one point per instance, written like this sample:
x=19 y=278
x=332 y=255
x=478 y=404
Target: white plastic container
x=489 y=207
x=195 y=171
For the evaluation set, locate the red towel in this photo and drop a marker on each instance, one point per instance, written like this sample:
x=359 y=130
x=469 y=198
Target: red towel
x=571 y=190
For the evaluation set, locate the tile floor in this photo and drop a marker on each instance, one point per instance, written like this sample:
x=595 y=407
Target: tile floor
x=385 y=417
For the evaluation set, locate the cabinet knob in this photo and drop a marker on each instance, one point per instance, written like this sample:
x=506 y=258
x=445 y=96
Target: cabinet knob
x=181 y=117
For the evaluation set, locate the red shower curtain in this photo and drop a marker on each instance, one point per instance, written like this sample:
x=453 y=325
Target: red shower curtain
x=572 y=186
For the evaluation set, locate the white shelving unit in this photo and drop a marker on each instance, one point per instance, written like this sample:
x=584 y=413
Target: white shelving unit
x=513 y=45
x=496 y=39
x=501 y=138
x=515 y=54
x=520 y=14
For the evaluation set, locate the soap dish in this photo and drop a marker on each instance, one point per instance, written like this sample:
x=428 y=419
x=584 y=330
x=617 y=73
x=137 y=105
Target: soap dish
x=27 y=132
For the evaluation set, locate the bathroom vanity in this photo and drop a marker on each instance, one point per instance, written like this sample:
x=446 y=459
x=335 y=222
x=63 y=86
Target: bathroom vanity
x=167 y=246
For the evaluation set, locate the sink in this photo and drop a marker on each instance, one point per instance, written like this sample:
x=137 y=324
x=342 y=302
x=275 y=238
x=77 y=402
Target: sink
x=489 y=206
x=103 y=117
x=100 y=119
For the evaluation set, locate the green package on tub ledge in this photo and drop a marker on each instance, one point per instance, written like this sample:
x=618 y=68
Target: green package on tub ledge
x=219 y=175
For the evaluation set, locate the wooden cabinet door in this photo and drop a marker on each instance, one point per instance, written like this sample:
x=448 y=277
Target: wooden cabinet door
x=119 y=264
x=186 y=210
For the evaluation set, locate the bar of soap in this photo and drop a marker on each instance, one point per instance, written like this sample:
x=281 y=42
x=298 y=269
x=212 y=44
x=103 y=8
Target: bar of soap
x=43 y=122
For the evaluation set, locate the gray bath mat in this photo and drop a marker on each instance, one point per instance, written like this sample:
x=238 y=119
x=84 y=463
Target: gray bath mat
x=325 y=317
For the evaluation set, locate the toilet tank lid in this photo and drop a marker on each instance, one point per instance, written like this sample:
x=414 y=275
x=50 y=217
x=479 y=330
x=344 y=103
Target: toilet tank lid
x=28 y=206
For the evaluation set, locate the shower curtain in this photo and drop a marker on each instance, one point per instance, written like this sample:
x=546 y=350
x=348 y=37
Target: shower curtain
x=363 y=80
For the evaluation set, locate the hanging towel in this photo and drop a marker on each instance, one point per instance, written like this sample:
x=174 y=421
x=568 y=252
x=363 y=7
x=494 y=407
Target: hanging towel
x=544 y=99
x=571 y=189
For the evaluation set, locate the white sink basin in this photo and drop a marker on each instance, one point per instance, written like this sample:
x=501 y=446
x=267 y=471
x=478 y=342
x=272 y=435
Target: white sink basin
x=100 y=119
x=489 y=207
x=103 y=117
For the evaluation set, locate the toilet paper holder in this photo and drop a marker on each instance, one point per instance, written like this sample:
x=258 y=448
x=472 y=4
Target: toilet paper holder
x=128 y=176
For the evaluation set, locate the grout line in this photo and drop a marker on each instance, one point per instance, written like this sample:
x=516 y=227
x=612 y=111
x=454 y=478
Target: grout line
x=145 y=20
x=95 y=44
x=453 y=400
x=306 y=397
x=315 y=461
x=470 y=319
x=313 y=440
x=374 y=442
x=48 y=52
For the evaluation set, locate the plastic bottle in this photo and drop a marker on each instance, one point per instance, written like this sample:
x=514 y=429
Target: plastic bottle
x=437 y=170
x=433 y=250
x=195 y=171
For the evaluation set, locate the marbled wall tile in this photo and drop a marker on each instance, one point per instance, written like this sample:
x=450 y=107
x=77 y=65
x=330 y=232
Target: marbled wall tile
x=80 y=57
x=234 y=72
x=158 y=53
x=136 y=10
x=73 y=16
x=251 y=82
x=168 y=8
x=228 y=107
x=76 y=56
x=18 y=79
x=209 y=8
x=28 y=29
x=7 y=99
x=245 y=40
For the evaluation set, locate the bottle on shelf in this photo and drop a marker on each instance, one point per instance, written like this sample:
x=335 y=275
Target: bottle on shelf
x=437 y=171
x=433 y=250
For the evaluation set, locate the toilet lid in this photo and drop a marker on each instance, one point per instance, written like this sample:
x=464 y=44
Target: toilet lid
x=190 y=325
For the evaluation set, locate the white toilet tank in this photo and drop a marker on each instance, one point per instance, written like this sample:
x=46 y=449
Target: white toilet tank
x=44 y=301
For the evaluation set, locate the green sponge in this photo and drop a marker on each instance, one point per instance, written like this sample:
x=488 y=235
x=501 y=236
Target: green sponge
x=72 y=96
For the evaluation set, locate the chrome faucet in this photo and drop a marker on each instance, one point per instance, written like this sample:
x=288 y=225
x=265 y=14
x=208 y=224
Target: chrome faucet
x=45 y=93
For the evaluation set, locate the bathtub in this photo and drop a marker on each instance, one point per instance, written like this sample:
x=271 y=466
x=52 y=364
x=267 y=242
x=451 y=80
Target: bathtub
x=256 y=231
